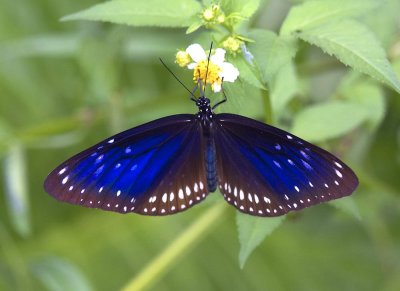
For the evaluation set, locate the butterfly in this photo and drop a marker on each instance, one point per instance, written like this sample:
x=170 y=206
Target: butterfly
x=170 y=164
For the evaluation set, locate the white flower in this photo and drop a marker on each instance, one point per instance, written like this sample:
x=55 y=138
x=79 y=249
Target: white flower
x=218 y=70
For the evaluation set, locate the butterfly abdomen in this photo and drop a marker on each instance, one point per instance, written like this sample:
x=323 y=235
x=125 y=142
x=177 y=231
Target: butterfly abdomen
x=211 y=165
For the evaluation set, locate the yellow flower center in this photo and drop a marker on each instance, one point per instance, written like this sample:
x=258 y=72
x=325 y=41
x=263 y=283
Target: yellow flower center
x=212 y=75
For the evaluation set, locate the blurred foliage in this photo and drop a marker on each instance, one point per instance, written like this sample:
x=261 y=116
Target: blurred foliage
x=65 y=85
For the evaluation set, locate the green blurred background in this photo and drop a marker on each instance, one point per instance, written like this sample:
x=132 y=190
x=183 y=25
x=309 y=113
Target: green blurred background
x=67 y=85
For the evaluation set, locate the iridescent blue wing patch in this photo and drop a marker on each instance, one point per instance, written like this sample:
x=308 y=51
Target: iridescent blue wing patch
x=266 y=171
x=153 y=169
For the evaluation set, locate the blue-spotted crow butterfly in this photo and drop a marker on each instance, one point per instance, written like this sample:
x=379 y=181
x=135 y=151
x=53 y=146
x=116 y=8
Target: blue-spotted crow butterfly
x=171 y=164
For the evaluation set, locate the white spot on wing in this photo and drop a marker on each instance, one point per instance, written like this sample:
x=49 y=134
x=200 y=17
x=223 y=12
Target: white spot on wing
x=118 y=192
x=180 y=194
x=201 y=185
x=241 y=194
x=65 y=180
x=339 y=165
x=188 y=192
x=339 y=174
x=111 y=140
x=297 y=188
x=62 y=171
x=164 y=197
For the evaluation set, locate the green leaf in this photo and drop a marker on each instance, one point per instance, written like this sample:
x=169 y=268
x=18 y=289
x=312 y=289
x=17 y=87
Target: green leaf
x=248 y=73
x=252 y=231
x=174 y=13
x=354 y=45
x=329 y=120
x=17 y=189
x=57 y=274
x=270 y=52
x=396 y=66
x=369 y=95
x=347 y=204
x=246 y=8
x=194 y=26
x=284 y=87
x=243 y=99
x=314 y=13
x=385 y=28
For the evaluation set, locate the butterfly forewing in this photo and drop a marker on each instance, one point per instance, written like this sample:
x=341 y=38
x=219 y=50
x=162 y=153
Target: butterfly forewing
x=266 y=171
x=142 y=170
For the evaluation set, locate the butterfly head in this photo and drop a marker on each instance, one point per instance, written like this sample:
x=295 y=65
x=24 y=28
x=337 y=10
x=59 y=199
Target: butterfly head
x=204 y=105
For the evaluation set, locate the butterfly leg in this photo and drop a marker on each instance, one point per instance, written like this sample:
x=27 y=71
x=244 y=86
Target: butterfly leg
x=191 y=96
x=223 y=100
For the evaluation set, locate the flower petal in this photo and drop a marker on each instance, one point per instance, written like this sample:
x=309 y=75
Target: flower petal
x=196 y=52
x=229 y=72
x=191 y=66
x=247 y=54
x=216 y=87
x=218 y=57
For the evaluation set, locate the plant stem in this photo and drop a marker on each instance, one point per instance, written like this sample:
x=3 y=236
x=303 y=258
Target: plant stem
x=267 y=107
x=186 y=240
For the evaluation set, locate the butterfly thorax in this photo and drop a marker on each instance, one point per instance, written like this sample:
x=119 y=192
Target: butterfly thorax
x=205 y=115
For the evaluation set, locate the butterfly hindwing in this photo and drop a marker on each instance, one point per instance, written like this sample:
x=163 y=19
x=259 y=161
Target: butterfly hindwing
x=266 y=171
x=153 y=169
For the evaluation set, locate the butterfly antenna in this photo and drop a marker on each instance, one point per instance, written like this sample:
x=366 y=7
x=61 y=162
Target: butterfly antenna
x=192 y=97
x=208 y=62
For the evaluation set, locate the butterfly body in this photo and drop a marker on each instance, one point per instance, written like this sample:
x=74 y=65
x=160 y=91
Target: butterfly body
x=171 y=164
